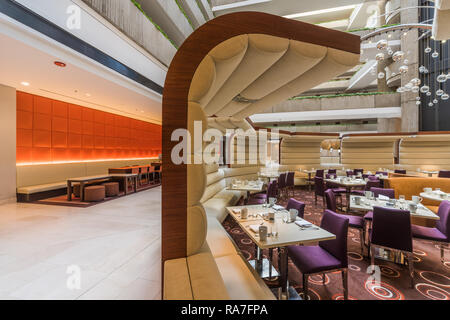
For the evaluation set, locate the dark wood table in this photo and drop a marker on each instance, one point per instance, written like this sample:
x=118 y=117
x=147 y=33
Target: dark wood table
x=83 y=181
x=125 y=177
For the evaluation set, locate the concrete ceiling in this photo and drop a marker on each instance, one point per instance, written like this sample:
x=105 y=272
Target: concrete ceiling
x=77 y=84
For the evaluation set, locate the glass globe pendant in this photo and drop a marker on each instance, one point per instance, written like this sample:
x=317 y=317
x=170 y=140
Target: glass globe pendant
x=397 y=56
x=430 y=104
x=403 y=69
x=445 y=96
x=441 y=78
x=435 y=101
x=427 y=50
x=379 y=56
x=434 y=55
x=425 y=89
x=382 y=44
x=422 y=69
x=415 y=89
x=415 y=81
x=439 y=92
x=428 y=93
x=381 y=75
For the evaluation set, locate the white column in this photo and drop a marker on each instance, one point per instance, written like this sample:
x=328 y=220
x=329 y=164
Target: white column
x=7 y=143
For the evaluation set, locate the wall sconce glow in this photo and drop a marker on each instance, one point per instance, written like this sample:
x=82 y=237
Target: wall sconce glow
x=24 y=83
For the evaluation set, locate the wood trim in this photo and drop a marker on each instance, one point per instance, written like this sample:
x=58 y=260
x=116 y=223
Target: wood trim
x=176 y=90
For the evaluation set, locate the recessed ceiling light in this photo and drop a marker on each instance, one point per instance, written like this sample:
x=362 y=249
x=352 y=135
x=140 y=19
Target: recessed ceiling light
x=60 y=64
x=24 y=83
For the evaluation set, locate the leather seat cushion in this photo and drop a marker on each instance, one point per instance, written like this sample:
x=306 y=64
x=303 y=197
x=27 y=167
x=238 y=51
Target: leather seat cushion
x=218 y=239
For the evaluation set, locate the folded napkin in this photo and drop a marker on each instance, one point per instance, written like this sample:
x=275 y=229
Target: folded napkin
x=303 y=223
x=255 y=228
x=382 y=197
x=277 y=207
x=439 y=192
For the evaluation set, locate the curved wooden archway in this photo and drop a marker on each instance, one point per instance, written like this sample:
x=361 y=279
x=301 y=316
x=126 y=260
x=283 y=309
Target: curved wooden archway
x=176 y=91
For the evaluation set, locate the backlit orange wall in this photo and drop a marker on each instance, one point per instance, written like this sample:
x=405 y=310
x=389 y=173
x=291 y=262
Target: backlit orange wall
x=51 y=131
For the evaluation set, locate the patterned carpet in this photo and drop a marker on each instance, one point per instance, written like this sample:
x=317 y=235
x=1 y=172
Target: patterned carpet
x=432 y=278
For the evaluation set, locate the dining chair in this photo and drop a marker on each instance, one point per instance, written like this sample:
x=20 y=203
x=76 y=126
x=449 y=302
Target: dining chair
x=271 y=192
x=350 y=173
x=384 y=173
x=320 y=173
x=290 y=183
x=391 y=230
x=328 y=256
x=355 y=222
x=439 y=234
x=400 y=171
x=319 y=188
x=282 y=185
x=356 y=171
x=444 y=174
x=332 y=171
x=337 y=191
x=298 y=205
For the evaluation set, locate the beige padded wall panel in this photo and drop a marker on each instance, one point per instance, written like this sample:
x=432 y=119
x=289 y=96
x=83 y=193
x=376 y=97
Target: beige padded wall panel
x=301 y=152
x=197 y=226
x=299 y=58
x=335 y=63
x=195 y=173
x=216 y=68
x=427 y=152
x=368 y=153
x=262 y=52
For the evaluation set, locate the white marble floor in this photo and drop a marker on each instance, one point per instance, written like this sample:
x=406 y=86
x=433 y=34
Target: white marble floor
x=108 y=251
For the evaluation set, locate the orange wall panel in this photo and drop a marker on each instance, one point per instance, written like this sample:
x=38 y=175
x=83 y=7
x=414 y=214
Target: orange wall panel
x=51 y=130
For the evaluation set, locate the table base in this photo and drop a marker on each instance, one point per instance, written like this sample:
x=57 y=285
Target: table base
x=391 y=256
x=292 y=294
x=264 y=273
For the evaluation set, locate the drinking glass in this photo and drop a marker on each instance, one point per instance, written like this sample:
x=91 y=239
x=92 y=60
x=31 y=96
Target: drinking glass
x=401 y=198
x=275 y=228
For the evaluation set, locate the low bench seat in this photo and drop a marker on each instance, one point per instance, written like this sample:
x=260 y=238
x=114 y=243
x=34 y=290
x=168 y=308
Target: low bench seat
x=42 y=187
x=218 y=239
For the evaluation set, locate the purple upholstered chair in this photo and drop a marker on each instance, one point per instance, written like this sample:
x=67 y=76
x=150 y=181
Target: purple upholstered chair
x=400 y=171
x=350 y=173
x=357 y=171
x=391 y=229
x=444 y=174
x=369 y=184
x=290 y=182
x=282 y=184
x=298 y=205
x=328 y=256
x=355 y=222
x=337 y=191
x=319 y=173
x=319 y=189
x=384 y=173
x=441 y=233
x=332 y=171
x=271 y=192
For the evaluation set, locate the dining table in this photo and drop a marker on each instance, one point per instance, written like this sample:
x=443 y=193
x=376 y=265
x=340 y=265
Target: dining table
x=247 y=186
x=281 y=234
x=348 y=184
x=83 y=181
x=366 y=204
x=436 y=195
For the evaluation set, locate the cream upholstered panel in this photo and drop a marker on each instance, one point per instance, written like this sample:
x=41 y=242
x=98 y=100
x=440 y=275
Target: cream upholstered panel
x=303 y=152
x=299 y=58
x=197 y=226
x=217 y=67
x=369 y=153
x=265 y=69
x=441 y=23
x=206 y=280
x=336 y=62
x=177 y=285
x=262 y=52
x=196 y=184
x=427 y=152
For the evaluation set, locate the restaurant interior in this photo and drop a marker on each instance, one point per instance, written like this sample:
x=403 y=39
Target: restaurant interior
x=306 y=150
